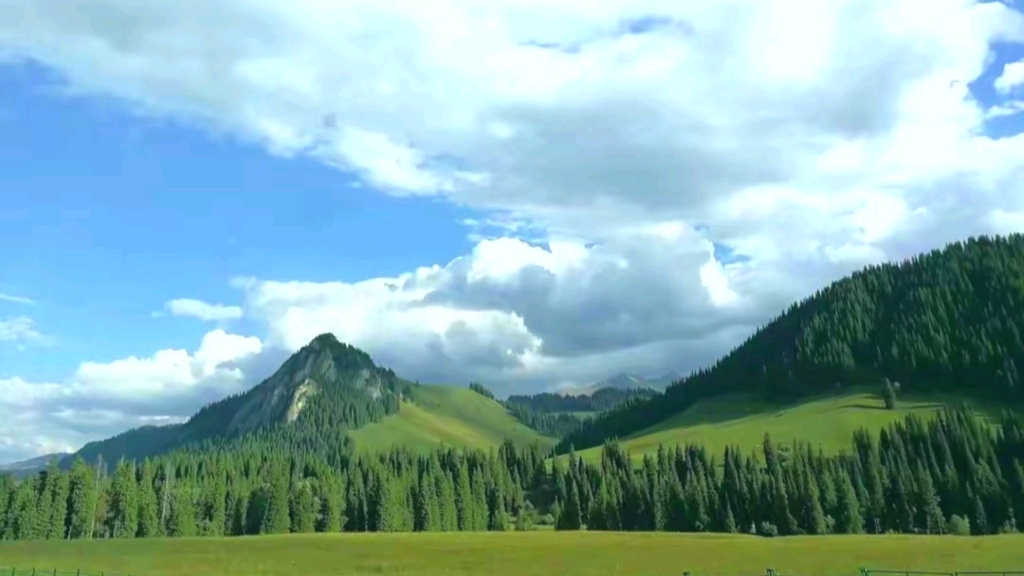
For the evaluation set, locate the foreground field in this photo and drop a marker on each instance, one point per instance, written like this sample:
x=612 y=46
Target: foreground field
x=742 y=419
x=446 y=416
x=519 y=554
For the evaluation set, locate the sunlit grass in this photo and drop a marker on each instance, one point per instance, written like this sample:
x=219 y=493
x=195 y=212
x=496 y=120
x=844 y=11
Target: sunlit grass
x=519 y=554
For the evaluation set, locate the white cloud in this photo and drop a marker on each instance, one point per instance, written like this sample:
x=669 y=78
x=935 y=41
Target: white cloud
x=203 y=310
x=102 y=399
x=1011 y=78
x=20 y=329
x=16 y=299
x=811 y=138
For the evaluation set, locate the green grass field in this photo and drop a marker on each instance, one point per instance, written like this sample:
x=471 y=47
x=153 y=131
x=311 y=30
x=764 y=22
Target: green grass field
x=742 y=419
x=446 y=416
x=517 y=554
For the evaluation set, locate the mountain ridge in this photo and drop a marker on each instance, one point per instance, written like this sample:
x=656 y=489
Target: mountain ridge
x=948 y=319
x=621 y=381
x=331 y=384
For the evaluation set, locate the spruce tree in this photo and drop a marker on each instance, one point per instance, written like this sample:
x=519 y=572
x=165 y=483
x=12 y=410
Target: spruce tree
x=81 y=500
x=302 y=507
x=181 y=515
x=123 y=508
x=570 y=517
x=149 y=513
x=848 y=518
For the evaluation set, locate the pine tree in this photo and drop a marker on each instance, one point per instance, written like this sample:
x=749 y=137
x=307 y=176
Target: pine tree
x=570 y=517
x=927 y=502
x=124 y=502
x=215 y=495
x=980 y=520
x=149 y=513
x=60 y=487
x=303 y=507
x=181 y=516
x=331 y=517
x=276 y=519
x=848 y=519
x=82 y=500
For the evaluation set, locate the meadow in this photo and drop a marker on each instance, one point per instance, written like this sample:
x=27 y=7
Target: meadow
x=446 y=416
x=828 y=421
x=518 y=554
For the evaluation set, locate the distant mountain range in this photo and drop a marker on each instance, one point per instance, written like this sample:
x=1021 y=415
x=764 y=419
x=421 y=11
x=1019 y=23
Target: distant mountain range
x=320 y=394
x=622 y=381
x=32 y=465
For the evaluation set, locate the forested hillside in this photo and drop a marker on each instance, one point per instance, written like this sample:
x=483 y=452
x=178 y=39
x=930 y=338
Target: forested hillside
x=947 y=320
x=599 y=401
x=320 y=393
x=952 y=474
x=557 y=415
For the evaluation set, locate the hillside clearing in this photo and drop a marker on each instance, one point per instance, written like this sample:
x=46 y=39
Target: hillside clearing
x=743 y=419
x=446 y=416
x=518 y=554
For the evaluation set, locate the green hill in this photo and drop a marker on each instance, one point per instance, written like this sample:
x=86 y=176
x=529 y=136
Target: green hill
x=827 y=421
x=323 y=399
x=451 y=416
x=944 y=322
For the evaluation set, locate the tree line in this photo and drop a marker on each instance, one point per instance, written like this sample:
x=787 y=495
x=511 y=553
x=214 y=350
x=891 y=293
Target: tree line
x=953 y=474
x=946 y=320
x=600 y=400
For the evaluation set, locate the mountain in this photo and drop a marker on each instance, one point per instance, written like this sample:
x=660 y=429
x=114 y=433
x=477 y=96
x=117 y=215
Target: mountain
x=321 y=391
x=622 y=381
x=946 y=321
x=330 y=397
x=32 y=465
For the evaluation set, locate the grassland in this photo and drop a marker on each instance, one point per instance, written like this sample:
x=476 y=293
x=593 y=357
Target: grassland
x=742 y=420
x=446 y=416
x=518 y=554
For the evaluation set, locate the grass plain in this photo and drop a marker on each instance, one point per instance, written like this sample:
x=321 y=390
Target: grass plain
x=742 y=420
x=452 y=416
x=517 y=554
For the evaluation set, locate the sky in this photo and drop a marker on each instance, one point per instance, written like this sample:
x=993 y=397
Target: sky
x=526 y=194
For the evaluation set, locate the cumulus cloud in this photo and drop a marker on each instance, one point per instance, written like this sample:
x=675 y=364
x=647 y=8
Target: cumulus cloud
x=202 y=310
x=102 y=399
x=1012 y=77
x=624 y=139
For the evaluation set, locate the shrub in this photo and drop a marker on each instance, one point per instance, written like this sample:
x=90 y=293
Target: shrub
x=959 y=526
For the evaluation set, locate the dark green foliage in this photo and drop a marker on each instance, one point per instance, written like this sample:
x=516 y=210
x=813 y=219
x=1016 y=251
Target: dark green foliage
x=889 y=394
x=959 y=526
x=557 y=415
x=946 y=320
x=908 y=478
x=556 y=425
x=481 y=390
x=601 y=400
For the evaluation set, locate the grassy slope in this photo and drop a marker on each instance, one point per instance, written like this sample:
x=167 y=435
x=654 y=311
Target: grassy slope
x=518 y=554
x=450 y=416
x=742 y=419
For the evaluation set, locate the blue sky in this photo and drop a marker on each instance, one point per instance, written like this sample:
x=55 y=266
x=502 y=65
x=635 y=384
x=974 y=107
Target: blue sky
x=608 y=190
x=107 y=215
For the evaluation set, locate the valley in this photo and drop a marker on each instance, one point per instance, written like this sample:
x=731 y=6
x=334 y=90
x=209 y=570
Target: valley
x=853 y=430
x=437 y=417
